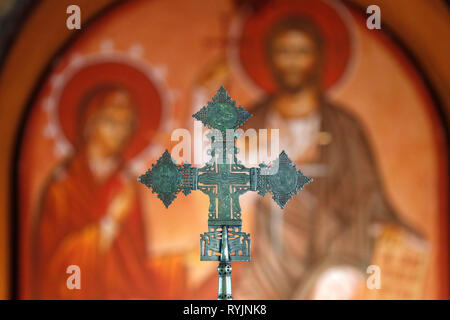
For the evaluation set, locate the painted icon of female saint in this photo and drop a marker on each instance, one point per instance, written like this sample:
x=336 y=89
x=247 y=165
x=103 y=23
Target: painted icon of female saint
x=321 y=245
x=90 y=215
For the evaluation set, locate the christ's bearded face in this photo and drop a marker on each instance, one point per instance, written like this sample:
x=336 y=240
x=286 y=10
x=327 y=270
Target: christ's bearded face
x=294 y=58
x=114 y=123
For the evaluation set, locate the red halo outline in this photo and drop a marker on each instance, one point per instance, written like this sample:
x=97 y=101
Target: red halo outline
x=147 y=100
x=336 y=35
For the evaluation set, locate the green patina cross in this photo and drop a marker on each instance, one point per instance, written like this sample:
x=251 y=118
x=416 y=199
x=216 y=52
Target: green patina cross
x=224 y=179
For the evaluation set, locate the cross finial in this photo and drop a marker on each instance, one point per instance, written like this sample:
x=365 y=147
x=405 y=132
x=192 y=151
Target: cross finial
x=222 y=113
x=222 y=96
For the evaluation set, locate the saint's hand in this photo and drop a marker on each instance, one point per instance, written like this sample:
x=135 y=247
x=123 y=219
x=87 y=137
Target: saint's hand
x=121 y=204
x=117 y=211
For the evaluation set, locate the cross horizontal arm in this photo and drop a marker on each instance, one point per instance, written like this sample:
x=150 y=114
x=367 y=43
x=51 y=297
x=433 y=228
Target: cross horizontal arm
x=281 y=179
x=225 y=179
x=166 y=178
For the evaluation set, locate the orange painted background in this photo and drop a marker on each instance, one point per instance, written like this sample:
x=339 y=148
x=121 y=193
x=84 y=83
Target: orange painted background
x=178 y=42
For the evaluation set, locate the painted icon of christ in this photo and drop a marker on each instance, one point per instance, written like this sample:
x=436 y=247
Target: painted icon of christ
x=320 y=246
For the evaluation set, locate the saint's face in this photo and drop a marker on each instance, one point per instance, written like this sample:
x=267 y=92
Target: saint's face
x=115 y=123
x=294 y=59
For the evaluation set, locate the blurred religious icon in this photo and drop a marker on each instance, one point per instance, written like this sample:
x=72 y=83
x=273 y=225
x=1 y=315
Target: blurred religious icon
x=295 y=51
x=90 y=214
x=224 y=179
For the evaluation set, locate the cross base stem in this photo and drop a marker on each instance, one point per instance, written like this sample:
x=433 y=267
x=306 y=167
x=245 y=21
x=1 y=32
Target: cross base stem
x=224 y=270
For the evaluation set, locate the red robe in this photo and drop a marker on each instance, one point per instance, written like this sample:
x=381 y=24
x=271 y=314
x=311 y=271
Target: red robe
x=68 y=233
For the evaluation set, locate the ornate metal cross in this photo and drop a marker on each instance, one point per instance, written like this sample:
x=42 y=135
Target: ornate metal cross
x=224 y=179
